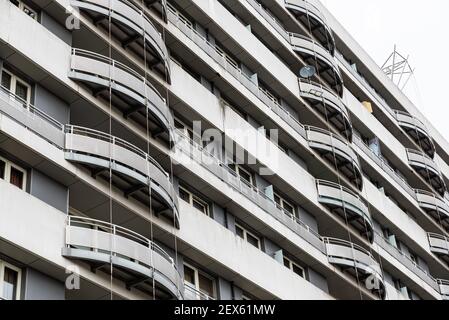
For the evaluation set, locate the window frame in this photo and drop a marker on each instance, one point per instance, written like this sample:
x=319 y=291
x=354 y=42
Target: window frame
x=294 y=215
x=196 y=286
x=22 y=6
x=192 y=198
x=292 y=264
x=3 y=265
x=7 y=177
x=14 y=80
x=246 y=232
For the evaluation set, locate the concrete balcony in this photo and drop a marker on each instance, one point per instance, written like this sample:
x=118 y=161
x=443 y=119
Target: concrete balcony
x=129 y=25
x=31 y=117
x=427 y=168
x=439 y=245
x=358 y=262
x=337 y=152
x=416 y=130
x=347 y=205
x=309 y=15
x=136 y=260
x=315 y=54
x=133 y=170
x=444 y=289
x=435 y=206
x=132 y=94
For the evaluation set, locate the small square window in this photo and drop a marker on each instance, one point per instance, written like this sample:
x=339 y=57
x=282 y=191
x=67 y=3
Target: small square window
x=200 y=206
x=6 y=80
x=253 y=240
x=10 y=284
x=184 y=195
x=240 y=232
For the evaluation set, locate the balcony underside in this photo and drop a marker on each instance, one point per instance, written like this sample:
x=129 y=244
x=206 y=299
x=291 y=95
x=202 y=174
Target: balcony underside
x=328 y=105
x=435 y=207
x=349 y=208
x=314 y=21
x=137 y=100
x=431 y=175
x=131 y=28
x=346 y=165
x=421 y=137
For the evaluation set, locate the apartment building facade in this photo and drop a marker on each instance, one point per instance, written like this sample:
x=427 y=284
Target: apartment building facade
x=210 y=149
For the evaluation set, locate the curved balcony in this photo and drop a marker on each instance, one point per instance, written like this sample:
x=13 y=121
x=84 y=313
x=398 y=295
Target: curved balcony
x=358 y=262
x=337 y=152
x=347 y=205
x=133 y=171
x=135 y=259
x=314 y=54
x=132 y=94
x=444 y=289
x=129 y=25
x=439 y=245
x=435 y=206
x=310 y=16
x=427 y=168
x=416 y=130
x=328 y=104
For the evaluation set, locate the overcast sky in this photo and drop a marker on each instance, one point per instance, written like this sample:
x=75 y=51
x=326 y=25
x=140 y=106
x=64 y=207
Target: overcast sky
x=421 y=32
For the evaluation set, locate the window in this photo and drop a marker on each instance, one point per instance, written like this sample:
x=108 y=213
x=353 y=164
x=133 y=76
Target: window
x=22 y=6
x=200 y=282
x=193 y=200
x=244 y=174
x=16 y=85
x=294 y=267
x=284 y=205
x=10 y=278
x=12 y=173
x=247 y=236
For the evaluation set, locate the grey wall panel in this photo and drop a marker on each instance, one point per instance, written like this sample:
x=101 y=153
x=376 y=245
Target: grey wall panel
x=49 y=191
x=58 y=30
x=219 y=214
x=224 y=289
x=39 y=286
x=51 y=105
x=308 y=219
x=318 y=280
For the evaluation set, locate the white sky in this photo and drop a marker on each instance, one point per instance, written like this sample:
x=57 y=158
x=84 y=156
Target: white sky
x=418 y=31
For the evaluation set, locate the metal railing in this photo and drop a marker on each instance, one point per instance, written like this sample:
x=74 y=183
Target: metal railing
x=405 y=260
x=243 y=187
x=230 y=66
x=113 y=63
x=269 y=18
x=88 y=223
x=191 y=293
x=91 y=133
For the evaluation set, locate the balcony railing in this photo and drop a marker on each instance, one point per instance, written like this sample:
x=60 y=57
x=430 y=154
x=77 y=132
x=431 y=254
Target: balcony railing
x=330 y=146
x=346 y=204
x=417 y=130
x=132 y=17
x=444 y=289
x=405 y=260
x=32 y=118
x=427 y=168
x=135 y=91
x=434 y=205
x=218 y=56
x=103 y=243
x=328 y=104
x=309 y=14
x=101 y=150
x=313 y=53
x=191 y=293
x=439 y=244
x=186 y=146
x=357 y=260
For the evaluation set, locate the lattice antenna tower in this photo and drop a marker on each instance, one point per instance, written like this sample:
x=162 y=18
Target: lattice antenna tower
x=398 y=69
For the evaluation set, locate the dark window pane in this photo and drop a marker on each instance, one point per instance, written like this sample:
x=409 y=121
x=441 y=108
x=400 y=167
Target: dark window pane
x=239 y=231
x=298 y=270
x=252 y=240
x=10 y=280
x=2 y=169
x=198 y=205
x=17 y=178
x=287 y=263
x=189 y=275
x=22 y=91
x=15 y=2
x=184 y=195
x=206 y=285
x=6 y=80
